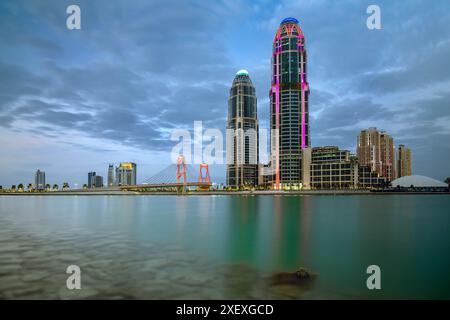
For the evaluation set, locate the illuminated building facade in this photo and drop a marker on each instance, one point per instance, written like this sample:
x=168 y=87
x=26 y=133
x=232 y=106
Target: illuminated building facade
x=289 y=114
x=126 y=174
x=242 y=133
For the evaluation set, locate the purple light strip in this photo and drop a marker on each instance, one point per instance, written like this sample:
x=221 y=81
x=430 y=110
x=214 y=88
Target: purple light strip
x=277 y=124
x=303 y=119
x=304 y=86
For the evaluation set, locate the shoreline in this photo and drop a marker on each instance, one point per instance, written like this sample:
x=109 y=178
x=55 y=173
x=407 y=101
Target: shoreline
x=211 y=193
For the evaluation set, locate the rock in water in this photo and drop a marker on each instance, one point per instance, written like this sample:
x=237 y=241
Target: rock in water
x=303 y=274
x=300 y=277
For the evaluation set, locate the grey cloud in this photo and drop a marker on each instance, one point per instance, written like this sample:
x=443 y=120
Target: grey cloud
x=425 y=70
x=5 y=121
x=128 y=92
x=63 y=119
x=16 y=81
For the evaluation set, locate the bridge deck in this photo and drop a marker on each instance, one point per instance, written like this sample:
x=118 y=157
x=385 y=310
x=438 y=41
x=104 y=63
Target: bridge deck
x=166 y=185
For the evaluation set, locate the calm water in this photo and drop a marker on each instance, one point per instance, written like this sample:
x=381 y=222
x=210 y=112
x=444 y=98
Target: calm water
x=224 y=246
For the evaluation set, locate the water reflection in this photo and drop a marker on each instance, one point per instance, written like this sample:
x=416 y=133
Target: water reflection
x=242 y=227
x=223 y=246
x=305 y=231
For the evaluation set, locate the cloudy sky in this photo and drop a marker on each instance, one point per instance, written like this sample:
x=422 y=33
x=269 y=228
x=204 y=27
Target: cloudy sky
x=72 y=101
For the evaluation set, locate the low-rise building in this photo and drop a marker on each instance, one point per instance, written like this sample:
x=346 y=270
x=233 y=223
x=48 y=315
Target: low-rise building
x=369 y=179
x=332 y=168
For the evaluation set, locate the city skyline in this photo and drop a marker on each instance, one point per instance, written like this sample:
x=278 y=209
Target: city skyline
x=54 y=113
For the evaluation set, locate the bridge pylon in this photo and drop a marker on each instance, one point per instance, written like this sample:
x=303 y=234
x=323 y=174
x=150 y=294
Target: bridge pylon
x=181 y=172
x=204 y=178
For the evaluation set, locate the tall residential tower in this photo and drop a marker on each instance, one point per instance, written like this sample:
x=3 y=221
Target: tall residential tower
x=404 y=161
x=39 y=180
x=375 y=149
x=242 y=133
x=111 y=177
x=289 y=114
x=91 y=179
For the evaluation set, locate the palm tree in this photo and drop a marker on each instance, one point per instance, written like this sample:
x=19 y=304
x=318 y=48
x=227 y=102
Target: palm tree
x=20 y=187
x=13 y=188
x=30 y=187
x=85 y=186
x=55 y=187
x=66 y=186
x=47 y=187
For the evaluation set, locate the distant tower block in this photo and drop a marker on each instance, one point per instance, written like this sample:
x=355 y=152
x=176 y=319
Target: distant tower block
x=205 y=178
x=181 y=169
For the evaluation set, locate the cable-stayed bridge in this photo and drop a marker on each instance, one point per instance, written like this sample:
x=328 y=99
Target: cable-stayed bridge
x=176 y=177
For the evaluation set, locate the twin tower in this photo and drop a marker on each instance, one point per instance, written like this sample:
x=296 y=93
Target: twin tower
x=289 y=118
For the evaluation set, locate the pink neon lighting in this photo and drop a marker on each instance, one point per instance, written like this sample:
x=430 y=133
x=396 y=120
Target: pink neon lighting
x=302 y=76
x=303 y=120
x=304 y=87
x=275 y=88
x=277 y=121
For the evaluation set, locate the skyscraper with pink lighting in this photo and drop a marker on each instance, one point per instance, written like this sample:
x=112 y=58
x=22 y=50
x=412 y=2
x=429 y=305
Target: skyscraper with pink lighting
x=289 y=104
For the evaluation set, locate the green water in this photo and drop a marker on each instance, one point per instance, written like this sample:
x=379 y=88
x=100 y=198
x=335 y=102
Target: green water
x=176 y=247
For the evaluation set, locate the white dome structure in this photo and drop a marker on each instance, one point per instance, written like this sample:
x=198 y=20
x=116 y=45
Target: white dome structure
x=417 y=181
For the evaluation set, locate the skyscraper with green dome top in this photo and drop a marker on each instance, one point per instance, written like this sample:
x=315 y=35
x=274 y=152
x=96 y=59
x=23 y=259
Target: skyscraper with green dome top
x=242 y=133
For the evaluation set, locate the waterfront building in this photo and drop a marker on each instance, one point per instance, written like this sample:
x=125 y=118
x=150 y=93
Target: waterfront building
x=332 y=168
x=242 y=133
x=289 y=114
x=111 y=178
x=375 y=149
x=126 y=174
x=91 y=179
x=39 y=180
x=387 y=156
x=369 y=179
x=404 y=161
x=265 y=176
x=98 y=182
